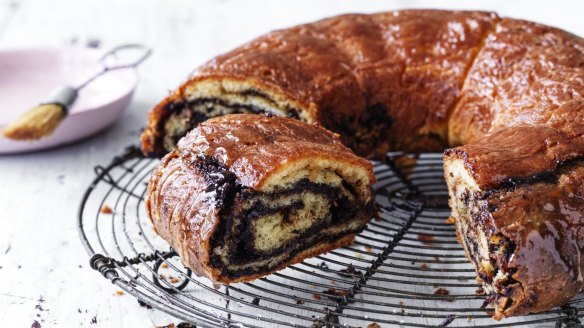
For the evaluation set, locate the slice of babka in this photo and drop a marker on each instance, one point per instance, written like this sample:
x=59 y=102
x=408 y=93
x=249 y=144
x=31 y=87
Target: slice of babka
x=522 y=227
x=245 y=195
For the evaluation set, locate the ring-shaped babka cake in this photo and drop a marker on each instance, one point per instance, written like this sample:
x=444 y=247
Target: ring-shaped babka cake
x=507 y=94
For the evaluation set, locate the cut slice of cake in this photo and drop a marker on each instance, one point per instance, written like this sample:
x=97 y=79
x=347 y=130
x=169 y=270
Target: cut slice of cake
x=245 y=195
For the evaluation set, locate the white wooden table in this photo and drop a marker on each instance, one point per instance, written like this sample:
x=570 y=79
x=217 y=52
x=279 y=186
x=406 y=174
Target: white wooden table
x=44 y=273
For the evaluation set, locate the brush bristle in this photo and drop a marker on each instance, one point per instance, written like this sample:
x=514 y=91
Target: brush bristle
x=37 y=123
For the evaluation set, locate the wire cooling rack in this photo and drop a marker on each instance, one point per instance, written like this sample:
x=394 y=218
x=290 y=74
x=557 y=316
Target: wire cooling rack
x=405 y=269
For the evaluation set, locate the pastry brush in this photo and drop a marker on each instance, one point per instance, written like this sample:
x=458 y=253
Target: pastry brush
x=42 y=120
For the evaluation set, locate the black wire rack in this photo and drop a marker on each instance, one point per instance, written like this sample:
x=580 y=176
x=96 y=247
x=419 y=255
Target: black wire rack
x=405 y=269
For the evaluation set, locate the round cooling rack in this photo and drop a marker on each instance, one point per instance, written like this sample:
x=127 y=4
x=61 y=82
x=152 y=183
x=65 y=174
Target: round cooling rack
x=405 y=269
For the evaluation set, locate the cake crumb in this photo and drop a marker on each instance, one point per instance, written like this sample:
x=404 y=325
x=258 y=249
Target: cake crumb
x=349 y=271
x=119 y=293
x=373 y=325
x=368 y=249
x=424 y=266
x=316 y=297
x=170 y=325
x=336 y=292
x=441 y=291
x=450 y=220
x=174 y=280
x=106 y=210
x=164 y=266
x=444 y=292
x=426 y=239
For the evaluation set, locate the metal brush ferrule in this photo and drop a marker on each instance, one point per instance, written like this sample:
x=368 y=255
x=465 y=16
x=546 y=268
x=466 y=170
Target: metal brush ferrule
x=64 y=96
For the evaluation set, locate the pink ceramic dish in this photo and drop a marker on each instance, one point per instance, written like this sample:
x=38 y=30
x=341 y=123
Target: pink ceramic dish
x=28 y=76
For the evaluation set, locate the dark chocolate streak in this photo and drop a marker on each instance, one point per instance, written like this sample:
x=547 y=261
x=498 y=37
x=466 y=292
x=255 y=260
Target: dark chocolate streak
x=257 y=93
x=369 y=129
x=301 y=185
x=215 y=101
x=550 y=177
x=502 y=251
x=291 y=112
x=245 y=250
x=197 y=117
x=242 y=239
x=219 y=179
x=374 y=123
x=169 y=109
x=226 y=188
x=259 y=210
x=297 y=245
x=224 y=183
x=305 y=245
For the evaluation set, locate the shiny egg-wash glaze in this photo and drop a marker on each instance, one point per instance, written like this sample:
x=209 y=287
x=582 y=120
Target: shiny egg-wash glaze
x=381 y=81
x=245 y=195
x=510 y=91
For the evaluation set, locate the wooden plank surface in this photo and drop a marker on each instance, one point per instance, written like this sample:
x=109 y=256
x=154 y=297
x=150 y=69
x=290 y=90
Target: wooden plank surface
x=44 y=273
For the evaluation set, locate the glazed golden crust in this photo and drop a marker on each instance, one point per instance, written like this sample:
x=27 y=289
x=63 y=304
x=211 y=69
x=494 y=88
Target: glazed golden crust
x=255 y=146
x=197 y=190
x=171 y=192
x=525 y=74
x=545 y=222
x=516 y=153
x=411 y=64
x=342 y=65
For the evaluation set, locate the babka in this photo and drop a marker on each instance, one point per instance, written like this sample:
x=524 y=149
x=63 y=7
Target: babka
x=507 y=93
x=244 y=196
